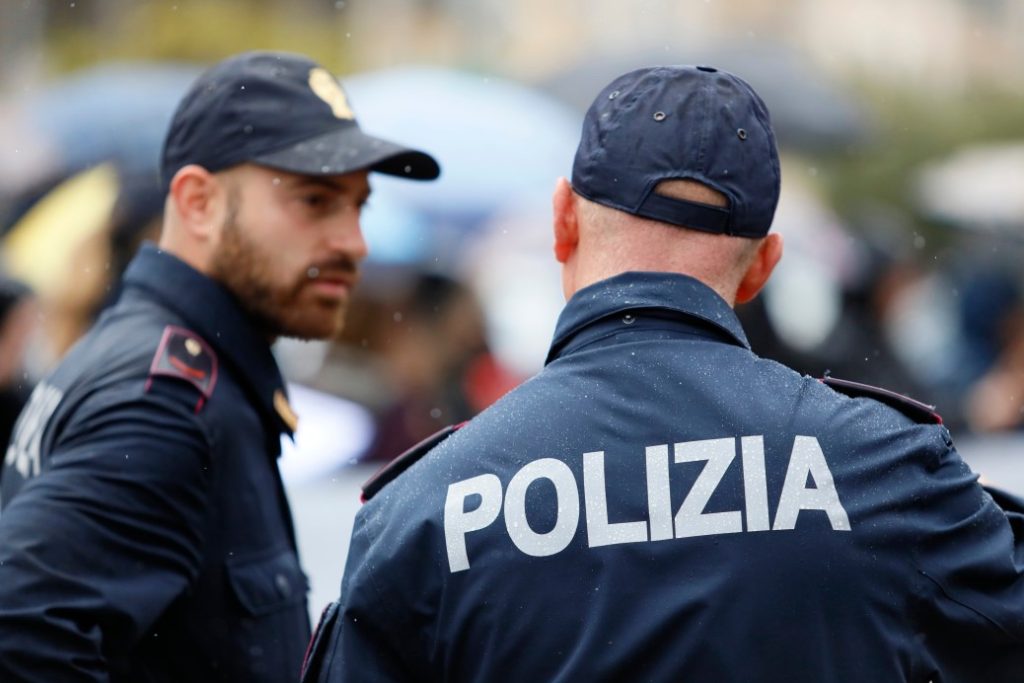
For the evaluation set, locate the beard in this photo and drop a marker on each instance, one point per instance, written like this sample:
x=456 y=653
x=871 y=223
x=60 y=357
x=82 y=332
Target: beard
x=279 y=308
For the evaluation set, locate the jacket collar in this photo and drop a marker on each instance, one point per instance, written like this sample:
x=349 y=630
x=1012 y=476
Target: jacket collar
x=212 y=312
x=669 y=293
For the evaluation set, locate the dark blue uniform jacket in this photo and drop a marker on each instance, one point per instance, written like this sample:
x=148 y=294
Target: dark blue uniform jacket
x=660 y=504
x=145 y=534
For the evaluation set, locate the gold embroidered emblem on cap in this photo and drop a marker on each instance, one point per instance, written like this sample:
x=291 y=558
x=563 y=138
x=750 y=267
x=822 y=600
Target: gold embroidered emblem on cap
x=284 y=410
x=193 y=347
x=324 y=86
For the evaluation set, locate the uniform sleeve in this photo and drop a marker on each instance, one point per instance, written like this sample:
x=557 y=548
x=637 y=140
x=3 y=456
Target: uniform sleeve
x=94 y=549
x=971 y=552
x=362 y=636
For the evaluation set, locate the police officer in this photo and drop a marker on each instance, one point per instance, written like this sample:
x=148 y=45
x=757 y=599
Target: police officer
x=660 y=504
x=145 y=534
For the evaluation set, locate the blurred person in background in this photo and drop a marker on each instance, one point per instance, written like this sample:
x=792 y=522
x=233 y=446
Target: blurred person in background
x=659 y=503
x=428 y=342
x=145 y=533
x=100 y=260
x=992 y=350
x=19 y=314
x=859 y=348
x=995 y=402
x=74 y=243
x=963 y=351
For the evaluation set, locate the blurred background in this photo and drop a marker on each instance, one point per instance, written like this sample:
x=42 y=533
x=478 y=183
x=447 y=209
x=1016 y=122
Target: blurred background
x=901 y=124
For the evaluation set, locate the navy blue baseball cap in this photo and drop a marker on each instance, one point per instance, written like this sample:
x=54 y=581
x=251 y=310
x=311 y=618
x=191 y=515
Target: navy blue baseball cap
x=681 y=122
x=283 y=111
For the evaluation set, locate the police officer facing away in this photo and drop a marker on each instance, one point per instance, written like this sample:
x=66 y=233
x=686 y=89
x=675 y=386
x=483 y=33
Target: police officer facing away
x=660 y=504
x=145 y=534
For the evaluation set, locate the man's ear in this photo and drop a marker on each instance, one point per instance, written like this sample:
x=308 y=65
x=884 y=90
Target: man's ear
x=199 y=200
x=566 y=225
x=768 y=254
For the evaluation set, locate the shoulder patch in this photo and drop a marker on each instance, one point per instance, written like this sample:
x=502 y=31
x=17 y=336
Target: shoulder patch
x=391 y=470
x=185 y=355
x=915 y=410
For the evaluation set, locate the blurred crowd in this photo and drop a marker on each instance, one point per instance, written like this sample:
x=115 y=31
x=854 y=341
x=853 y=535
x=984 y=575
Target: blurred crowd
x=458 y=300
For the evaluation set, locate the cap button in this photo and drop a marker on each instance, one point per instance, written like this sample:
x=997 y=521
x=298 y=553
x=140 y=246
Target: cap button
x=709 y=69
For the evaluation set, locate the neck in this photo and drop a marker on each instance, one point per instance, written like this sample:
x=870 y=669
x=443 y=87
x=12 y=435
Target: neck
x=588 y=266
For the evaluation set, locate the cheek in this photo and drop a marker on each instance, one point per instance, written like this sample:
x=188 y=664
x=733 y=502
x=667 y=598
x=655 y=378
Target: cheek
x=276 y=235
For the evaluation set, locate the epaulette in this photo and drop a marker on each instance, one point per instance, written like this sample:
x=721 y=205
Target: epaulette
x=391 y=470
x=915 y=410
x=183 y=354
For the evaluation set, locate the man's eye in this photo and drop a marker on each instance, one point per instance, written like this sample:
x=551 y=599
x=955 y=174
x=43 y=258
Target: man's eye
x=314 y=201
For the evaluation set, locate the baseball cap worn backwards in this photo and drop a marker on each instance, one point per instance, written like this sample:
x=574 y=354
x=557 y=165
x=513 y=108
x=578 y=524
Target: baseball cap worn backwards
x=681 y=122
x=283 y=111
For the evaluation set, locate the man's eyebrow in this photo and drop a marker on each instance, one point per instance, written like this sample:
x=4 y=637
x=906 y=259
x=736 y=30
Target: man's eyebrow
x=360 y=192
x=319 y=181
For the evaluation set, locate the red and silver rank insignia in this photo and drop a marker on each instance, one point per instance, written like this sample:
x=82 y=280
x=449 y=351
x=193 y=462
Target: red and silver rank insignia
x=183 y=354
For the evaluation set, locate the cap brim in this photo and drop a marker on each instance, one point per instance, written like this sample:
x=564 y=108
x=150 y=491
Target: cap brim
x=350 y=149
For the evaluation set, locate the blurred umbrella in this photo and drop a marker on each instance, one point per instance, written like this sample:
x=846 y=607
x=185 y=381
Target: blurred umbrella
x=39 y=248
x=808 y=111
x=980 y=187
x=116 y=111
x=499 y=143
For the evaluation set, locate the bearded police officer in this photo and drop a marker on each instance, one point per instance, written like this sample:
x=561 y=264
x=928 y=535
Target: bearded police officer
x=145 y=534
x=660 y=504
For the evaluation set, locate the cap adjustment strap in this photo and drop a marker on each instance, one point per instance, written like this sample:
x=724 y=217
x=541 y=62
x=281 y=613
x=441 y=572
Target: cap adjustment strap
x=685 y=213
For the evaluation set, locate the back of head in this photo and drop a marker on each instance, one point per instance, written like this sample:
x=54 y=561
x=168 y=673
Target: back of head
x=689 y=123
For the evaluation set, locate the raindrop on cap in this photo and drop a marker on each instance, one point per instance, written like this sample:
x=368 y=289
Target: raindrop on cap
x=628 y=319
x=325 y=169
x=659 y=116
x=613 y=94
x=407 y=169
x=741 y=134
x=247 y=128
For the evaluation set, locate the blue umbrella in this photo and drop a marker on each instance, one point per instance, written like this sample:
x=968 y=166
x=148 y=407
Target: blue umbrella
x=115 y=112
x=500 y=144
x=112 y=112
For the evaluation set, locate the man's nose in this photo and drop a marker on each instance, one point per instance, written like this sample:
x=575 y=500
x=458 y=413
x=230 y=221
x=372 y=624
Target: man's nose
x=347 y=238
